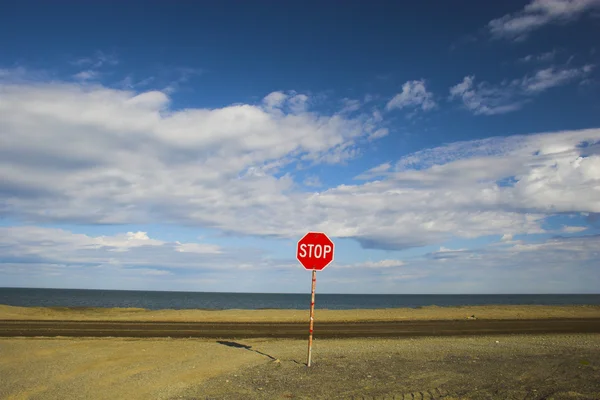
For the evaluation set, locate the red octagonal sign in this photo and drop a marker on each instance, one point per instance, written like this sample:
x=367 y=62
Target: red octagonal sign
x=315 y=251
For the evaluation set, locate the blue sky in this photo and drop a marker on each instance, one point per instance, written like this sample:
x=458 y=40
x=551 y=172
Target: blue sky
x=445 y=147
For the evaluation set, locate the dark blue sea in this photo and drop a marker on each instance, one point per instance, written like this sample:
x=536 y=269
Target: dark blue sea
x=253 y=301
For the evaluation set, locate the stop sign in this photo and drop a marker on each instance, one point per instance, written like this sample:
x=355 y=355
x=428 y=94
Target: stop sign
x=315 y=251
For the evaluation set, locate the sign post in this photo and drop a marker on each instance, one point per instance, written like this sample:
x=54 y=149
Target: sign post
x=312 y=315
x=314 y=252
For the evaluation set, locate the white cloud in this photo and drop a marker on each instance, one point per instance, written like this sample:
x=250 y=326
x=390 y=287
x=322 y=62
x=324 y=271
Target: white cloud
x=537 y=14
x=573 y=248
x=447 y=250
x=381 y=264
x=38 y=245
x=489 y=99
x=542 y=57
x=36 y=256
x=557 y=265
x=113 y=155
x=47 y=257
x=97 y=60
x=547 y=171
x=547 y=56
x=275 y=99
x=445 y=254
x=574 y=229
x=86 y=75
x=351 y=105
x=298 y=103
x=312 y=181
x=547 y=78
x=378 y=171
x=128 y=82
x=369 y=98
x=485 y=99
x=379 y=133
x=182 y=76
x=292 y=102
x=88 y=154
x=414 y=94
x=527 y=58
x=199 y=248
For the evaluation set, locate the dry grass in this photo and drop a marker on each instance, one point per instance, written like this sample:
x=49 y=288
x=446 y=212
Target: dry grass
x=394 y=314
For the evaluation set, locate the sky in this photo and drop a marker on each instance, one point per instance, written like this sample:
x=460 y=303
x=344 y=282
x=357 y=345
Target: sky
x=445 y=147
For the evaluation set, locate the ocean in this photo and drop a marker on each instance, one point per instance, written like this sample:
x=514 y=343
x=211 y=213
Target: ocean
x=154 y=300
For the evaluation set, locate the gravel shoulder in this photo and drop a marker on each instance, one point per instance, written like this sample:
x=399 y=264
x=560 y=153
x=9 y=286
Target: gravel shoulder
x=486 y=367
x=494 y=367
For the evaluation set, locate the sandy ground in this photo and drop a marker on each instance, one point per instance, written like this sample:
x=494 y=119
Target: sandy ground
x=485 y=367
x=111 y=368
x=491 y=367
x=395 y=314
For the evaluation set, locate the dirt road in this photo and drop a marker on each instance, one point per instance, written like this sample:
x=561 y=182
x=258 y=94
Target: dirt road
x=12 y=328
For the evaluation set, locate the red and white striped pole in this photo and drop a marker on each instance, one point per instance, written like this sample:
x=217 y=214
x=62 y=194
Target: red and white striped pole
x=312 y=314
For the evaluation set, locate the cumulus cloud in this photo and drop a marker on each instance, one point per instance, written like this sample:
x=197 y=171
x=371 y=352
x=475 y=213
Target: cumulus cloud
x=527 y=172
x=290 y=102
x=579 y=247
x=33 y=253
x=89 y=154
x=555 y=265
x=500 y=186
x=490 y=99
x=34 y=256
x=52 y=245
x=537 y=14
x=414 y=95
x=275 y=100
